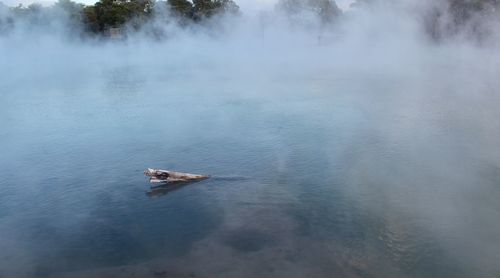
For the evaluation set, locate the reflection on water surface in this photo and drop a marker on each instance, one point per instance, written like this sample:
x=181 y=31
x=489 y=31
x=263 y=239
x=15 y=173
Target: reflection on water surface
x=353 y=179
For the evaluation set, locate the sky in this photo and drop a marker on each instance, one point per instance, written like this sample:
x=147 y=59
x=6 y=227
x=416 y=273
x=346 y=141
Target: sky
x=246 y=5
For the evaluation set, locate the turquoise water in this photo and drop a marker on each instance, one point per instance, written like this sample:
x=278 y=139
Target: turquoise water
x=366 y=176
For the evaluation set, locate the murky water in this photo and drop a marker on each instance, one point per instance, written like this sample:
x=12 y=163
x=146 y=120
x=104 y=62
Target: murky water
x=365 y=176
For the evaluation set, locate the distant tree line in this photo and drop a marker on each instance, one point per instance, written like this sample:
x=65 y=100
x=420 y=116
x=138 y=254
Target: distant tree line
x=113 y=14
x=324 y=10
x=474 y=18
x=445 y=18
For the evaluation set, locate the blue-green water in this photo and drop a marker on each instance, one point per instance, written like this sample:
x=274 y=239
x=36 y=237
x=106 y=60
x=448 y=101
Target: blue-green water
x=338 y=176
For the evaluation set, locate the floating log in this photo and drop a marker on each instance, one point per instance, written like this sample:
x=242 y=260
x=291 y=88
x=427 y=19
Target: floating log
x=164 y=176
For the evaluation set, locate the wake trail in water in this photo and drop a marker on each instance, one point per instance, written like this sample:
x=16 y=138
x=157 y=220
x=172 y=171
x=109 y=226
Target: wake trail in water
x=229 y=178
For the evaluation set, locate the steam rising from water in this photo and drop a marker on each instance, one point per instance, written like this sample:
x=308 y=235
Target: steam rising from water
x=407 y=126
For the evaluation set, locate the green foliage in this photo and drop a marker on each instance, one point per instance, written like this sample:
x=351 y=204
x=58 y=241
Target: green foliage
x=34 y=14
x=107 y=14
x=73 y=11
x=90 y=19
x=449 y=18
x=465 y=17
x=181 y=8
x=463 y=10
x=208 y=8
x=110 y=17
x=6 y=20
x=202 y=9
x=325 y=10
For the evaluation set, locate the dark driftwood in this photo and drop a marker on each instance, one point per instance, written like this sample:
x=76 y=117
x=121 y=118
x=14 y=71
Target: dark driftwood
x=164 y=176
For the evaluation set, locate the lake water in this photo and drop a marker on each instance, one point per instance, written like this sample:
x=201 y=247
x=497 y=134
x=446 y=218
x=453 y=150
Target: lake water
x=313 y=176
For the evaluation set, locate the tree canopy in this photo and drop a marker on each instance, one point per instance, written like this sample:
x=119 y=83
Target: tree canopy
x=325 y=10
x=441 y=19
x=202 y=9
x=105 y=15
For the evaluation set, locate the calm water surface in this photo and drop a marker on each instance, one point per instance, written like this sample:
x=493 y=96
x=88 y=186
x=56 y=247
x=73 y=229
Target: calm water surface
x=312 y=177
